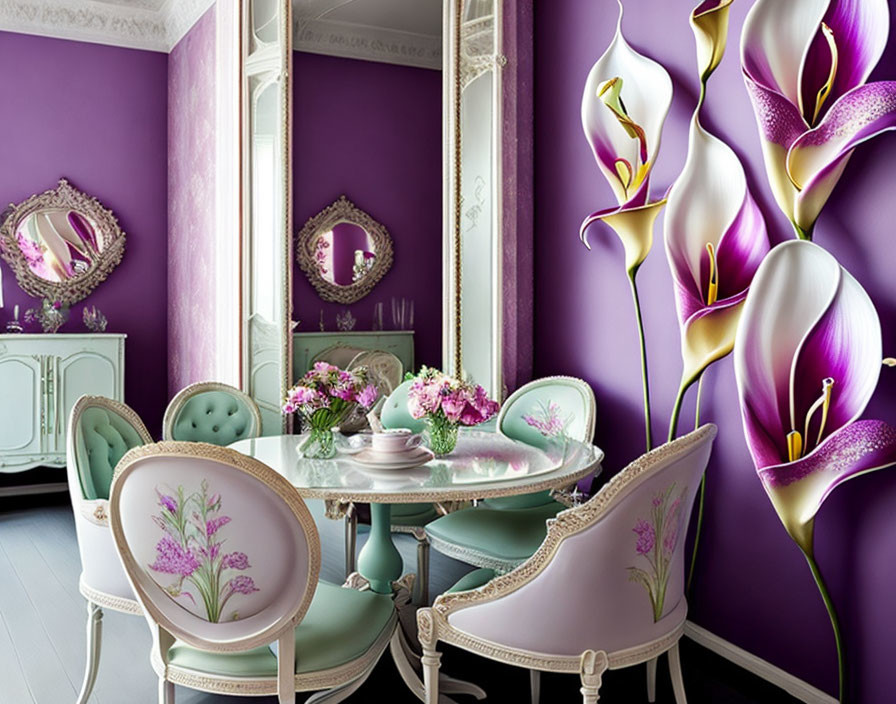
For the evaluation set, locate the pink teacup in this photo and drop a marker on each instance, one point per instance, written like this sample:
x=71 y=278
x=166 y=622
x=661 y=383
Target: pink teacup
x=394 y=440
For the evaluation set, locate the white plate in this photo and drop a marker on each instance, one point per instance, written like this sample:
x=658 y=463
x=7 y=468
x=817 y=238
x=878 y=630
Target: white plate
x=397 y=460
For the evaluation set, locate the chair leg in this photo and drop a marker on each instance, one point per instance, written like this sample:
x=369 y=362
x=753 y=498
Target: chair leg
x=351 y=539
x=651 y=680
x=592 y=667
x=535 y=685
x=94 y=643
x=166 y=691
x=675 y=674
x=422 y=572
x=431 y=661
x=286 y=668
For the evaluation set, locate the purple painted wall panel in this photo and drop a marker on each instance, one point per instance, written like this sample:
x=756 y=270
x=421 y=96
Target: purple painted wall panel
x=373 y=132
x=96 y=115
x=753 y=588
x=191 y=206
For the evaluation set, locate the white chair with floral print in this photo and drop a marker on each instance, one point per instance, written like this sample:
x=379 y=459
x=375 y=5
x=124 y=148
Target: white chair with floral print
x=223 y=556
x=626 y=544
x=100 y=432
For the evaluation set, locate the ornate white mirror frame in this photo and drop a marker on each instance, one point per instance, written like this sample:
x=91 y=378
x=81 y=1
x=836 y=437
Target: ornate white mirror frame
x=105 y=253
x=267 y=216
x=487 y=246
x=343 y=211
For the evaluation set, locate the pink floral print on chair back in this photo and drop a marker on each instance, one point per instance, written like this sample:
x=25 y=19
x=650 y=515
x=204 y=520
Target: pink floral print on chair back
x=192 y=551
x=218 y=546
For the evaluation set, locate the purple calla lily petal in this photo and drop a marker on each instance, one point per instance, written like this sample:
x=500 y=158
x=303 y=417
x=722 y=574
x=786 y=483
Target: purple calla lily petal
x=805 y=63
x=859 y=29
x=809 y=332
x=624 y=105
x=798 y=489
x=858 y=116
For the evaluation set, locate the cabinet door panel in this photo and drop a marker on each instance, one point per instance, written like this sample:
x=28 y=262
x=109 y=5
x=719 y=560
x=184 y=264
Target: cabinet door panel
x=79 y=374
x=20 y=402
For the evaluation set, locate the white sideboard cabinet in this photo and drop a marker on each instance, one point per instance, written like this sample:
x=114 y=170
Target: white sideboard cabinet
x=41 y=377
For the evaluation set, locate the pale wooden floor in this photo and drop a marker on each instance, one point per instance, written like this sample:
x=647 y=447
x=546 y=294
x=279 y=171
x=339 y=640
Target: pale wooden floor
x=42 y=615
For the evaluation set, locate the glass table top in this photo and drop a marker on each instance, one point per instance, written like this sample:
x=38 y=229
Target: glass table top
x=483 y=465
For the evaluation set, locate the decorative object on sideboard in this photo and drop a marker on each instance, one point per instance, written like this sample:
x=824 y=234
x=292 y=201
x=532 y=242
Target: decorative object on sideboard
x=94 y=320
x=61 y=244
x=345 y=321
x=402 y=314
x=377 y=321
x=15 y=325
x=324 y=397
x=51 y=315
x=321 y=324
x=445 y=403
x=344 y=252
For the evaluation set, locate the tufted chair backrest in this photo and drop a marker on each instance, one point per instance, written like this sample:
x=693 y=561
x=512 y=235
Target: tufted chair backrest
x=220 y=549
x=625 y=545
x=211 y=412
x=100 y=433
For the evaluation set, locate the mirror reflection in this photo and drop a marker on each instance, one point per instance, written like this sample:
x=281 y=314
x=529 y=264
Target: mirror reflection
x=58 y=243
x=345 y=254
x=343 y=251
x=61 y=243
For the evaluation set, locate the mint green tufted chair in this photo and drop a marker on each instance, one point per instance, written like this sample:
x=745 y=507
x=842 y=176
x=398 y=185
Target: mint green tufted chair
x=502 y=533
x=211 y=412
x=100 y=432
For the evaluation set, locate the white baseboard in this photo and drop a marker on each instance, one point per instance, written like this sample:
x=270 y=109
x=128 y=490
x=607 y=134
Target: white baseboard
x=25 y=489
x=770 y=673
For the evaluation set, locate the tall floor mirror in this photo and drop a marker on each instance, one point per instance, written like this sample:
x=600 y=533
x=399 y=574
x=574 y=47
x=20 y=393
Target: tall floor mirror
x=488 y=222
x=267 y=218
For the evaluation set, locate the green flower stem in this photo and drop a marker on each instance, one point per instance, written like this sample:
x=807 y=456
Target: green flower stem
x=676 y=411
x=644 y=379
x=699 y=528
x=801 y=233
x=835 y=623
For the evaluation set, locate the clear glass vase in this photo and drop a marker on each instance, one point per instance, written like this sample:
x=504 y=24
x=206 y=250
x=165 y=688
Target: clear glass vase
x=319 y=445
x=441 y=435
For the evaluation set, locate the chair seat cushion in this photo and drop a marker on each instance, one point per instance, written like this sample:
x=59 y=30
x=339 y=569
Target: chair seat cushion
x=413 y=514
x=340 y=626
x=540 y=498
x=504 y=534
x=473 y=580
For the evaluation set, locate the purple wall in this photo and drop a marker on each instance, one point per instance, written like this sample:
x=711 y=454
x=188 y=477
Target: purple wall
x=373 y=132
x=753 y=588
x=191 y=206
x=96 y=115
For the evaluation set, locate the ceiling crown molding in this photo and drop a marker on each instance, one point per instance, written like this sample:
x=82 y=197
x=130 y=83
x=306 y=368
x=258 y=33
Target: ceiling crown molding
x=133 y=27
x=356 y=41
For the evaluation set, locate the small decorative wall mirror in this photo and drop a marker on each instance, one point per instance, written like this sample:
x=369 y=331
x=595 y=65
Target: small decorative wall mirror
x=344 y=252
x=61 y=244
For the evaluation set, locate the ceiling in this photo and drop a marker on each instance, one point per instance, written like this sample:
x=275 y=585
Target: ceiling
x=406 y=32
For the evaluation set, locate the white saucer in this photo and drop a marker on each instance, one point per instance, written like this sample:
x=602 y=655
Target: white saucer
x=394 y=460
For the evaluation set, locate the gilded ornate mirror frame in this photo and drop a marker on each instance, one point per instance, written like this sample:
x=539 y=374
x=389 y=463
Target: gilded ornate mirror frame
x=64 y=196
x=343 y=210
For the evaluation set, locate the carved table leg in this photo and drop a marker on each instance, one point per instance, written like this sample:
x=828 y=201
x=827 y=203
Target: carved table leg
x=379 y=560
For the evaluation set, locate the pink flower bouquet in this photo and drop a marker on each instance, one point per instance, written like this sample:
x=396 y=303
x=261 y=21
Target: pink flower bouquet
x=445 y=403
x=324 y=398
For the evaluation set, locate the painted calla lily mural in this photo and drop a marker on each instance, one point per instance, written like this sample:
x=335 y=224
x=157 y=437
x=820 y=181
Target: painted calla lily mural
x=627 y=97
x=807 y=361
x=715 y=241
x=806 y=63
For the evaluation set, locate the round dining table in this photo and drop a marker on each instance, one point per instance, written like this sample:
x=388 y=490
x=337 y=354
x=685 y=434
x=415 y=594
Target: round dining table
x=483 y=465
